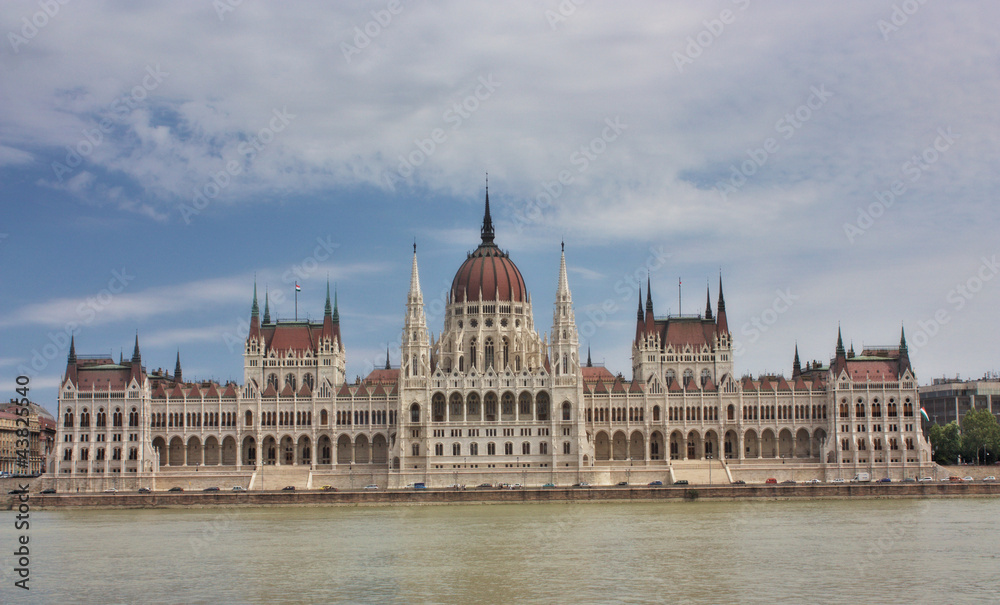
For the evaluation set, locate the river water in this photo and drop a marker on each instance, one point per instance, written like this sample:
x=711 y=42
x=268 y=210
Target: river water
x=848 y=551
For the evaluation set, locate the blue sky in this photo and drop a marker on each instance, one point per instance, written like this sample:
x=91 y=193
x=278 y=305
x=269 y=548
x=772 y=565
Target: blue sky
x=836 y=162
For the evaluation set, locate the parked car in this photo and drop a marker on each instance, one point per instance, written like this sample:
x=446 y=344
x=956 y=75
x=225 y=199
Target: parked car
x=814 y=481
x=371 y=487
x=18 y=491
x=50 y=490
x=176 y=489
x=885 y=480
x=656 y=483
x=548 y=486
x=581 y=484
x=211 y=489
x=623 y=484
x=288 y=488
x=909 y=480
x=484 y=486
x=739 y=482
x=924 y=479
x=788 y=482
x=989 y=479
x=111 y=490
x=838 y=480
x=239 y=488
x=144 y=490
x=967 y=478
x=954 y=478
x=771 y=481
x=681 y=482
x=328 y=488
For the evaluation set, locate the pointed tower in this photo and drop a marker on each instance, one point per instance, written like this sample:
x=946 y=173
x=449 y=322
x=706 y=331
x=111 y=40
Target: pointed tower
x=840 y=357
x=565 y=343
x=722 y=326
x=708 y=304
x=267 y=310
x=136 y=362
x=650 y=320
x=589 y=363
x=640 y=321
x=72 y=350
x=254 y=317
x=487 y=230
x=177 y=368
x=415 y=359
x=71 y=367
x=796 y=366
x=904 y=353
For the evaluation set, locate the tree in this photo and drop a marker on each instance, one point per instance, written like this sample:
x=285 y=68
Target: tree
x=947 y=442
x=980 y=435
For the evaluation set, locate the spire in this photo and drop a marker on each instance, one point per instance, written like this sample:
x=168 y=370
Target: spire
x=904 y=353
x=649 y=297
x=328 y=310
x=562 y=292
x=387 y=366
x=640 y=322
x=177 y=368
x=415 y=296
x=487 y=231
x=336 y=312
x=796 y=366
x=254 y=310
x=72 y=349
x=267 y=310
x=720 y=318
x=136 y=357
x=589 y=363
x=708 y=303
x=840 y=344
x=850 y=352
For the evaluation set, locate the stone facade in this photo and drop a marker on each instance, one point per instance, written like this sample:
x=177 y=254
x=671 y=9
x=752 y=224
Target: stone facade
x=491 y=399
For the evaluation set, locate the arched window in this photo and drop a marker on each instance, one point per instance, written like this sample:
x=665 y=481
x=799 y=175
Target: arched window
x=248 y=419
x=506 y=353
x=308 y=381
x=102 y=418
x=507 y=404
x=488 y=354
x=439 y=449
x=472 y=353
x=133 y=453
x=290 y=380
x=524 y=404
x=731 y=412
x=456 y=449
x=542 y=406
x=456 y=406
x=68 y=418
x=491 y=449
x=116 y=418
x=84 y=418
x=272 y=379
x=472 y=404
x=656 y=413
x=473 y=449
x=508 y=449
x=133 y=418
x=324 y=418
x=415 y=448
x=437 y=407
x=526 y=448
x=567 y=410
x=415 y=415
x=490 y=406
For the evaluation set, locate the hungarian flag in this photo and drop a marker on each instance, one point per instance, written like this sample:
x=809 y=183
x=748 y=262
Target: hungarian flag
x=298 y=288
x=923 y=413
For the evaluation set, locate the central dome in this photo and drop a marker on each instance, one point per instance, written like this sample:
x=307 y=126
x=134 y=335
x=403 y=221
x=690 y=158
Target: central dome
x=488 y=270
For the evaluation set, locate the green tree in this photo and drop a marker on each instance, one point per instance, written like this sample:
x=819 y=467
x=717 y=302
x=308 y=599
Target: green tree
x=947 y=442
x=980 y=434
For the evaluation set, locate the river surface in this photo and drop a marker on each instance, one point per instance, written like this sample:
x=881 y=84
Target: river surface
x=848 y=551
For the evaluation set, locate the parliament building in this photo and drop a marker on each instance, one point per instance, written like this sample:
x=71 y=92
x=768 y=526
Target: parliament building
x=488 y=400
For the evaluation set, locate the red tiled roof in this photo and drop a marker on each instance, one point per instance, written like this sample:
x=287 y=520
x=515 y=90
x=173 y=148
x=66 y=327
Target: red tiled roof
x=305 y=391
x=490 y=271
x=783 y=384
x=709 y=385
x=177 y=393
x=873 y=370
x=683 y=331
x=382 y=376
x=230 y=391
x=159 y=393
x=287 y=391
x=344 y=391
x=379 y=391
x=213 y=392
x=113 y=378
x=635 y=387
x=748 y=384
x=675 y=386
x=194 y=392
x=600 y=388
x=594 y=374
x=270 y=391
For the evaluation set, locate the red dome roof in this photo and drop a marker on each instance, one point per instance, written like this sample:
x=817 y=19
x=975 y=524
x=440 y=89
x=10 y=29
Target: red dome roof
x=491 y=271
x=488 y=270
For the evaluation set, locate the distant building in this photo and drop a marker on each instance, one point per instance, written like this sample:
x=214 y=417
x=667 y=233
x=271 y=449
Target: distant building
x=41 y=436
x=490 y=398
x=949 y=399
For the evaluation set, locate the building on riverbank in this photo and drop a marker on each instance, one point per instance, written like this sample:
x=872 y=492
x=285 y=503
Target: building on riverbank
x=947 y=400
x=490 y=399
x=41 y=438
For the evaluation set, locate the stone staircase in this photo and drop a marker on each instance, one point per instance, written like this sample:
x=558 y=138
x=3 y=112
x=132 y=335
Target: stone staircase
x=276 y=477
x=700 y=472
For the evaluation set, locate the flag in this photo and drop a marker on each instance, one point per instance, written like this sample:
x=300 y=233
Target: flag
x=298 y=288
x=923 y=413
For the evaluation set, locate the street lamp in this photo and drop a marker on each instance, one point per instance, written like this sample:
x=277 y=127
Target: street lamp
x=709 y=457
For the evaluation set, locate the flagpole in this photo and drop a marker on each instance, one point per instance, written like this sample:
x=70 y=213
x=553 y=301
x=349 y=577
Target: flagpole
x=296 y=301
